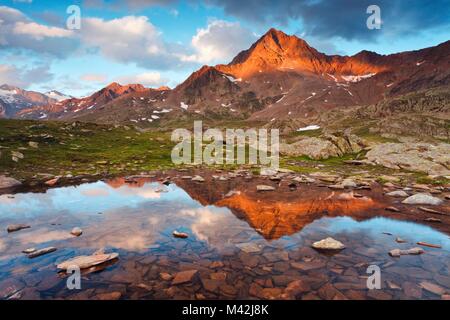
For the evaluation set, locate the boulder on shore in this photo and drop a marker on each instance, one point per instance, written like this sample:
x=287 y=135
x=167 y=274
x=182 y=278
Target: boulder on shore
x=325 y=146
x=420 y=157
x=7 y=182
x=422 y=198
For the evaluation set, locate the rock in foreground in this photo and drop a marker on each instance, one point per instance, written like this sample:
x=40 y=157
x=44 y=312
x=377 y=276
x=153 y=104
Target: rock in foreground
x=7 y=182
x=420 y=157
x=422 y=198
x=325 y=146
x=76 y=232
x=84 y=262
x=328 y=244
x=399 y=252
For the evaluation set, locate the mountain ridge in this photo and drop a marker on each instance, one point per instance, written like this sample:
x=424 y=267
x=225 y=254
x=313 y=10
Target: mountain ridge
x=280 y=76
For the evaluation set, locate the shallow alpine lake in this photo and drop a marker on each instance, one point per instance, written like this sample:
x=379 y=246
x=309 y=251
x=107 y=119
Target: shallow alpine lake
x=242 y=244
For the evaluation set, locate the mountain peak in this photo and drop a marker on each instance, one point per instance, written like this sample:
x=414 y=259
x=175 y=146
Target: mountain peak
x=275 y=50
x=113 y=85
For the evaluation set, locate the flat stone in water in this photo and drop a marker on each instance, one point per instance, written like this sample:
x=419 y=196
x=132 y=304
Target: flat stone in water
x=29 y=250
x=399 y=252
x=181 y=235
x=17 y=227
x=328 y=244
x=41 y=252
x=84 y=262
x=249 y=247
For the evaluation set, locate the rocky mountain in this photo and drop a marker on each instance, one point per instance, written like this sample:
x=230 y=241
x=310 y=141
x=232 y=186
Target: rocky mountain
x=67 y=108
x=279 y=78
x=14 y=99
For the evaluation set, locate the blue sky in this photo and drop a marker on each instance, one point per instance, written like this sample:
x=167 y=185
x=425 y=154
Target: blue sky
x=157 y=42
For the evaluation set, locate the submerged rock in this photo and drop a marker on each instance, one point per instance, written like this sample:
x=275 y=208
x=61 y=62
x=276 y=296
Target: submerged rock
x=433 y=288
x=328 y=244
x=184 y=277
x=249 y=247
x=422 y=198
x=400 y=252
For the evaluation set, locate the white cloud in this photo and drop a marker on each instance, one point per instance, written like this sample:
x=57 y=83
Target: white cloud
x=24 y=76
x=17 y=31
x=148 y=79
x=130 y=39
x=219 y=42
x=39 y=31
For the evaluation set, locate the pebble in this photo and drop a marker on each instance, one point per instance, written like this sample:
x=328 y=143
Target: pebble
x=181 y=235
x=264 y=188
x=433 y=288
x=76 y=232
x=198 y=179
x=400 y=240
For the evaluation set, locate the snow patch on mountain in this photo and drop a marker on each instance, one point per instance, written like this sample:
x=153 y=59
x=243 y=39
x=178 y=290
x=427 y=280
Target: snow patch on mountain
x=352 y=78
x=309 y=128
x=58 y=96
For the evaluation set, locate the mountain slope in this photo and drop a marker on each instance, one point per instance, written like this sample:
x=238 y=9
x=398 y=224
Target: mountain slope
x=279 y=77
x=14 y=99
x=66 y=108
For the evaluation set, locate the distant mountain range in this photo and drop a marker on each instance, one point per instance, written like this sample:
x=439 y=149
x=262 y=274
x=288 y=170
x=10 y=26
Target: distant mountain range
x=14 y=99
x=278 y=77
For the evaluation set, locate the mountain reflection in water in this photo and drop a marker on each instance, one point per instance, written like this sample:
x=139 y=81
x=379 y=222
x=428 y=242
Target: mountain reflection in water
x=137 y=217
